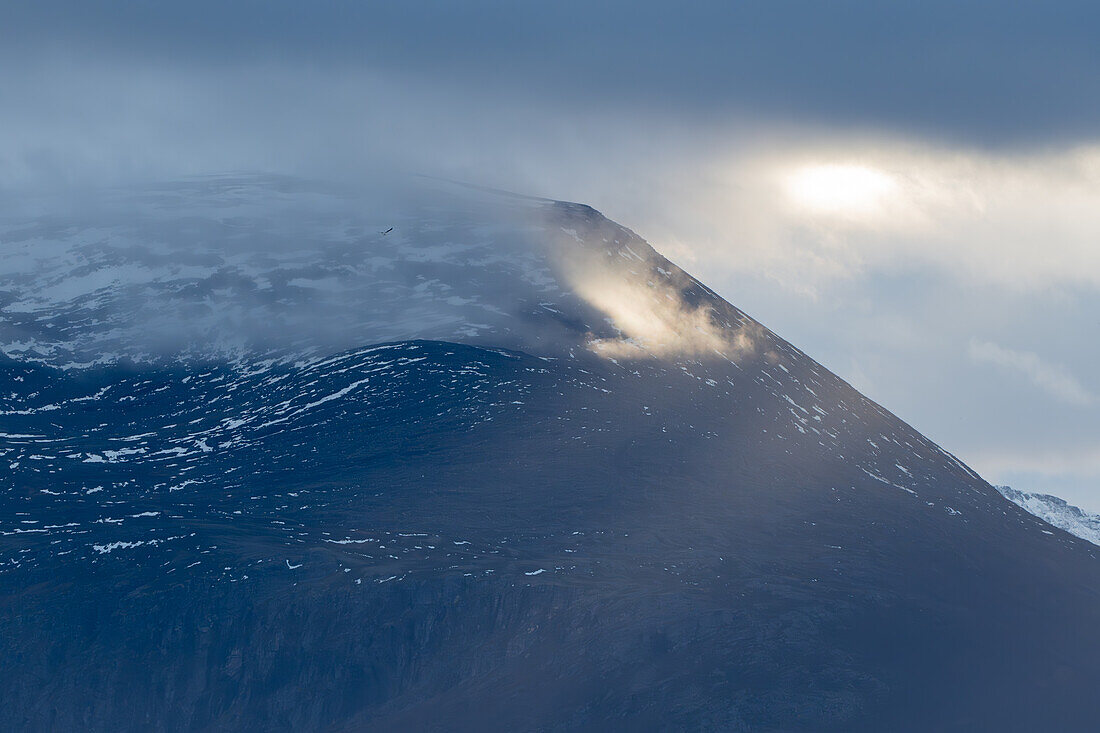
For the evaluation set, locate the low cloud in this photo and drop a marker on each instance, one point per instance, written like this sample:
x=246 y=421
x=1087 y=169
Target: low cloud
x=1053 y=379
x=644 y=305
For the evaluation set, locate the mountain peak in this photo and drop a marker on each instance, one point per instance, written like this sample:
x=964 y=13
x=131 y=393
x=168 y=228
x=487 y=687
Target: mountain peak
x=368 y=459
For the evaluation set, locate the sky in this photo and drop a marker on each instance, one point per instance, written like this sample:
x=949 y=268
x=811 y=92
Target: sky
x=907 y=191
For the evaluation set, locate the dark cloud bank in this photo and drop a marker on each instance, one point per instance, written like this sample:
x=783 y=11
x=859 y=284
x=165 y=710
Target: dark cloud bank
x=975 y=72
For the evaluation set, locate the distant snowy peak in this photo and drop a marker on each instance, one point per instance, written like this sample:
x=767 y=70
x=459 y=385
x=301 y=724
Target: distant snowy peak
x=1057 y=512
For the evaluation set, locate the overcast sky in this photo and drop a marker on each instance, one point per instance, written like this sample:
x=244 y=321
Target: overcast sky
x=910 y=192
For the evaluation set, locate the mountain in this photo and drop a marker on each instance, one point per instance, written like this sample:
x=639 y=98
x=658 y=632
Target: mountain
x=275 y=465
x=1056 y=512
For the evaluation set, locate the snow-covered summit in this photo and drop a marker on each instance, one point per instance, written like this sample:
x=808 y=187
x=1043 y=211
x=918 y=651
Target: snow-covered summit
x=243 y=266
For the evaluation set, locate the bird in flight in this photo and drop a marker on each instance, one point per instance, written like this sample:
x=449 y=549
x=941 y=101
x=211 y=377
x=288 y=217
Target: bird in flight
x=387 y=231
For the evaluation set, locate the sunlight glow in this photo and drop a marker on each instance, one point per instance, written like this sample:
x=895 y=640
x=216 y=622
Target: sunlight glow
x=839 y=189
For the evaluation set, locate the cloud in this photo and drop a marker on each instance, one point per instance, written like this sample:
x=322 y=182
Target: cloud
x=654 y=321
x=813 y=212
x=1054 y=379
x=985 y=75
x=644 y=304
x=804 y=205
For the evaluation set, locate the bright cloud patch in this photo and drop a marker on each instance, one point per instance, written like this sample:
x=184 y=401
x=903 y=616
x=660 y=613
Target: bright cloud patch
x=840 y=189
